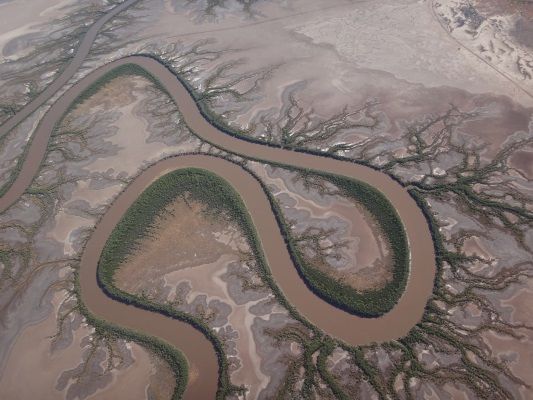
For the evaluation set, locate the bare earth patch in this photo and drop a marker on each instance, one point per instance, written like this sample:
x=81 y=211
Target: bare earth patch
x=336 y=234
x=34 y=356
x=376 y=70
x=201 y=263
x=183 y=237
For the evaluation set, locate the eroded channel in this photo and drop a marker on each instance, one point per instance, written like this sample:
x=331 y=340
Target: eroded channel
x=198 y=350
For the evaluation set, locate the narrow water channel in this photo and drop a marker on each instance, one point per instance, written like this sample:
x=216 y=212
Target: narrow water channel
x=199 y=352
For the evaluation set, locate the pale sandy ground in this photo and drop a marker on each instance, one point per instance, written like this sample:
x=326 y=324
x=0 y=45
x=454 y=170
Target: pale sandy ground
x=488 y=29
x=30 y=357
x=206 y=279
x=323 y=47
x=16 y=19
x=366 y=258
x=345 y=54
x=402 y=39
x=185 y=246
x=132 y=150
x=182 y=239
x=92 y=196
x=62 y=229
x=429 y=393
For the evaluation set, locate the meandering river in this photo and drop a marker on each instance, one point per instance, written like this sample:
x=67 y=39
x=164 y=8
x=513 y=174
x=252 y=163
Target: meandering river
x=197 y=349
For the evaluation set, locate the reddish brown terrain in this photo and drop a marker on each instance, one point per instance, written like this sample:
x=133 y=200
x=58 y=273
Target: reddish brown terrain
x=436 y=94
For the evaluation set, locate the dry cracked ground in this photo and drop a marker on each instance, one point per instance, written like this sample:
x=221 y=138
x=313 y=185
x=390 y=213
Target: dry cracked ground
x=439 y=94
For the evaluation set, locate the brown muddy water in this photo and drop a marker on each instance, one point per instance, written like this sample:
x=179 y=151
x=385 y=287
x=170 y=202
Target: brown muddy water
x=199 y=352
x=69 y=71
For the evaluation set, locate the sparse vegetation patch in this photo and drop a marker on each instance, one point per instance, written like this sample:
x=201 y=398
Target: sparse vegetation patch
x=371 y=303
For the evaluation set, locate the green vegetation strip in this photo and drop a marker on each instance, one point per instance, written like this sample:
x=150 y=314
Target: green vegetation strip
x=200 y=184
x=123 y=70
x=137 y=222
x=204 y=186
x=220 y=199
x=392 y=228
x=169 y=354
x=370 y=303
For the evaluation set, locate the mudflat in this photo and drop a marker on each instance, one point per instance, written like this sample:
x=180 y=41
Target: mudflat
x=349 y=328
